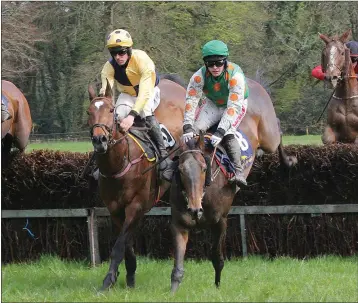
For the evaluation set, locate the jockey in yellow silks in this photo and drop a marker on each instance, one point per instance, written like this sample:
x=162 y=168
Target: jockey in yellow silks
x=132 y=73
x=222 y=88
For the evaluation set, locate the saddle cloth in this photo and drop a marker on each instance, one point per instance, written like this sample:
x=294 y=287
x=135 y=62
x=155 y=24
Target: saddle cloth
x=223 y=160
x=147 y=146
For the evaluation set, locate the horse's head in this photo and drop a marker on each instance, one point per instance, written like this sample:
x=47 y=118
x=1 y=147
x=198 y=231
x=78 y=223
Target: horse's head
x=334 y=57
x=192 y=168
x=101 y=119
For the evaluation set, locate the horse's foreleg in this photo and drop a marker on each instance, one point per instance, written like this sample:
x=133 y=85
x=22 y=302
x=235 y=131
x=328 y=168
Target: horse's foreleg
x=180 y=236
x=130 y=261
x=217 y=258
x=328 y=136
x=117 y=256
x=118 y=250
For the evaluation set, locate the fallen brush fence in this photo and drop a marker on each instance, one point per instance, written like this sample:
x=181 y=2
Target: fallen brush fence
x=93 y=213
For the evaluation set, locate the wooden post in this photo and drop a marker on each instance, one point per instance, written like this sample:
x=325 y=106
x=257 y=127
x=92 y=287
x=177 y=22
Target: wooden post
x=93 y=237
x=243 y=235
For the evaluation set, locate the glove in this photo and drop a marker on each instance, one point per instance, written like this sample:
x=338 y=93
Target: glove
x=188 y=136
x=188 y=132
x=217 y=137
x=215 y=140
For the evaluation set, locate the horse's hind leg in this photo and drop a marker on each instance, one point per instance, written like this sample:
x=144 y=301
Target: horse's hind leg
x=217 y=258
x=181 y=237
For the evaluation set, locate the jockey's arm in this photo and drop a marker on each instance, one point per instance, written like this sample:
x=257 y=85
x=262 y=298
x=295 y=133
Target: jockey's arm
x=107 y=73
x=146 y=84
x=235 y=105
x=194 y=93
x=318 y=73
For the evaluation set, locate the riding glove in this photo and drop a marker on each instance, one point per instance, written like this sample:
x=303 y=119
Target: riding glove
x=188 y=136
x=188 y=132
x=215 y=140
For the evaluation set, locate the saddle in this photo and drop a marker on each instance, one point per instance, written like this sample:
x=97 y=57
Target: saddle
x=144 y=141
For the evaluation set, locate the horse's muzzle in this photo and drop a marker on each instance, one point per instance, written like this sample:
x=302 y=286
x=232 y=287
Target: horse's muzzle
x=100 y=144
x=196 y=213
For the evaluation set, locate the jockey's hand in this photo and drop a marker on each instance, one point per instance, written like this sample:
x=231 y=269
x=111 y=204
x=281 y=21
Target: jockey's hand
x=215 y=140
x=127 y=123
x=188 y=136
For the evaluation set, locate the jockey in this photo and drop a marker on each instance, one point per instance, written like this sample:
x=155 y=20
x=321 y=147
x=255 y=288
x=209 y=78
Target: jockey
x=221 y=87
x=132 y=72
x=353 y=47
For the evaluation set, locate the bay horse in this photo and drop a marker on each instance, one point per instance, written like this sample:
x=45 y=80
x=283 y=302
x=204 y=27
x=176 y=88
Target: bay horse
x=195 y=202
x=342 y=119
x=124 y=189
x=16 y=130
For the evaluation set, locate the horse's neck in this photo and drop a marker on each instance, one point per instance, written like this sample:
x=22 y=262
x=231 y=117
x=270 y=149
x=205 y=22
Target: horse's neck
x=349 y=86
x=116 y=156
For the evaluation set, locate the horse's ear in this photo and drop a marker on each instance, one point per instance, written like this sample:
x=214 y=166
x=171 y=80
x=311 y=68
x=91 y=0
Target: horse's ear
x=201 y=141
x=108 y=92
x=91 y=92
x=345 y=36
x=325 y=38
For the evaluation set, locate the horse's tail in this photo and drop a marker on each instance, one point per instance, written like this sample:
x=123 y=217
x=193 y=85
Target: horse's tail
x=287 y=161
x=175 y=78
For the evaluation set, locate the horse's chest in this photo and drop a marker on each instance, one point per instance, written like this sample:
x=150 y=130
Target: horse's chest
x=344 y=114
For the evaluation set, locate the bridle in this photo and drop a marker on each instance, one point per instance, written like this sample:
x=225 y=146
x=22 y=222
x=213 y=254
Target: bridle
x=178 y=176
x=110 y=130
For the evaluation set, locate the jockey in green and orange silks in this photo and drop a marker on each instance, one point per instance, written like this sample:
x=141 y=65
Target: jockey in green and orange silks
x=221 y=87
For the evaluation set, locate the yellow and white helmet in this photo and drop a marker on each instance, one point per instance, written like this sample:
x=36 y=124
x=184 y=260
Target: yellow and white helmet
x=119 y=38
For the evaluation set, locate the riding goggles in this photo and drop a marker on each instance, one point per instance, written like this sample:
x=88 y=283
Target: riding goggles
x=217 y=63
x=120 y=52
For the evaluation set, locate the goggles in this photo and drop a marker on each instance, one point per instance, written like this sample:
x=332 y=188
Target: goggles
x=120 y=52
x=217 y=63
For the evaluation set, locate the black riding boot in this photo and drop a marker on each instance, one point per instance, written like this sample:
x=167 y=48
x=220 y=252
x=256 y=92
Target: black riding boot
x=233 y=150
x=5 y=114
x=156 y=135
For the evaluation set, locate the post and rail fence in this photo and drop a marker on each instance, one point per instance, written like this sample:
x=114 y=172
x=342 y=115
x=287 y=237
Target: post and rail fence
x=92 y=213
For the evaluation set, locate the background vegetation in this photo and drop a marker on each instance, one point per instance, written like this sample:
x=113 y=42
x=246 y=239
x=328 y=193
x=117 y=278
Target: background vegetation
x=52 y=50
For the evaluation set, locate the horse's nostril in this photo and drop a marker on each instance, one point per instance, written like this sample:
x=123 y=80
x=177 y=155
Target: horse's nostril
x=103 y=139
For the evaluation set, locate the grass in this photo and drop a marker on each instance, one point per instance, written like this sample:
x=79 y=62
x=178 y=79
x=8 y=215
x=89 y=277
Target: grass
x=255 y=279
x=87 y=146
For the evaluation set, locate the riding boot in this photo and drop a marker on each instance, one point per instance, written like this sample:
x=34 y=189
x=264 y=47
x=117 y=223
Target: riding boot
x=156 y=135
x=5 y=114
x=233 y=150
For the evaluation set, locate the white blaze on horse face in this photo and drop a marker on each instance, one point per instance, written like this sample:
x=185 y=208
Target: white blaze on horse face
x=98 y=104
x=332 y=57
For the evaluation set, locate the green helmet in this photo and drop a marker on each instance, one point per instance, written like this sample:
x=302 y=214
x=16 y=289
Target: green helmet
x=215 y=48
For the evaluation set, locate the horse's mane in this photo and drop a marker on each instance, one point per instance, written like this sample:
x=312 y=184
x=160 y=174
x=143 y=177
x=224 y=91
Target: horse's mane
x=173 y=77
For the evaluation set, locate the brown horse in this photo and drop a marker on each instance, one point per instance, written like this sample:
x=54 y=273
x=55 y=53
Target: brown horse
x=16 y=130
x=127 y=193
x=194 y=204
x=342 y=117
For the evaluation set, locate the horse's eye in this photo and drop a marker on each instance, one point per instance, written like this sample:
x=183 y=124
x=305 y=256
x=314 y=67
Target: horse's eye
x=111 y=110
x=204 y=169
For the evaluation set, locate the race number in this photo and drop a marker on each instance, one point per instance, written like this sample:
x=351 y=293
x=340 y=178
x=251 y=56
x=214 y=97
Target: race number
x=242 y=141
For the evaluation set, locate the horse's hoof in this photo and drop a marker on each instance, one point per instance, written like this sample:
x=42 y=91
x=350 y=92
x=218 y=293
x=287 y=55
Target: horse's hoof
x=175 y=286
x=130 y=281
x=108 y=281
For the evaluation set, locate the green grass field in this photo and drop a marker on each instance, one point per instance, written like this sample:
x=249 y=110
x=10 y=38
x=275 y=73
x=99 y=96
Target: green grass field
x=255 y=279
x=87 y=146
